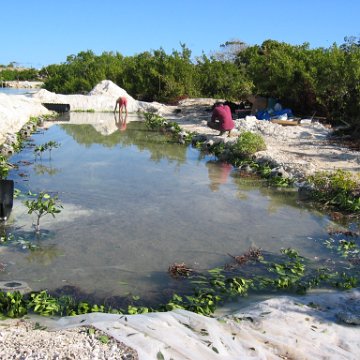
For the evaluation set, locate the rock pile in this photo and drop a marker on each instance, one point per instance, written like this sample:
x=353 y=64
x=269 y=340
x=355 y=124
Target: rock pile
x=15 y=112
x=101 y=98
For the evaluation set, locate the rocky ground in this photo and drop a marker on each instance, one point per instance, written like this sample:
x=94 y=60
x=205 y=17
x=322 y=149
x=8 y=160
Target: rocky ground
x=300 y=150
x=24 y=339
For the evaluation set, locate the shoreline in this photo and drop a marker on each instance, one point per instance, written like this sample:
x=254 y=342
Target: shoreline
x=281 y=327
x=315 y=326
x=16 y=84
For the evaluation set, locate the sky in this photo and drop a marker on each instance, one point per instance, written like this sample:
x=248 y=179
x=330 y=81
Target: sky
x=36 y=33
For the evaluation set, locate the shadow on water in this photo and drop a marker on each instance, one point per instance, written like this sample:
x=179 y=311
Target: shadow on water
x=134 y=203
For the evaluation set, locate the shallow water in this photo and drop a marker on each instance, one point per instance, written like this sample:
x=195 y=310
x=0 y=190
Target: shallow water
x=133 y=204
x=15 y=91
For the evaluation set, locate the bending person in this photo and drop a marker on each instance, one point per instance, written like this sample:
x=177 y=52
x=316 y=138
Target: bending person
x=122 y=102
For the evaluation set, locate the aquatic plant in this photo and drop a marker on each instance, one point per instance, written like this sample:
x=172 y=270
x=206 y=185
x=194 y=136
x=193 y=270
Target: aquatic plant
x=4 y=167
x=13 y=304
x=154 y=121
x=11 y=239
x=43 y=205
x=211 y=288
x=339 y=189
x=336 y=190
x=48 y=146
x=84 y=111
x=179 y=270
x=157 y=122
x=44 y=304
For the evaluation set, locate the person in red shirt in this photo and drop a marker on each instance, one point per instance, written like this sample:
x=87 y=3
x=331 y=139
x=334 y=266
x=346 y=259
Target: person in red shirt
x=221 y=118
x=122 y=101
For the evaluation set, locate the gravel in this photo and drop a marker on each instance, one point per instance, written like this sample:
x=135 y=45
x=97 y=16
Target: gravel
x=23 y=339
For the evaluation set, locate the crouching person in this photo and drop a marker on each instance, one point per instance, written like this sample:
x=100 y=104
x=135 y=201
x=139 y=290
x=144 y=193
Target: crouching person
x=221 y=119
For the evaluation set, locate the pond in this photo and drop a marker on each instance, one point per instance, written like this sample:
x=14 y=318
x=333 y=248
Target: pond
x=135 y=203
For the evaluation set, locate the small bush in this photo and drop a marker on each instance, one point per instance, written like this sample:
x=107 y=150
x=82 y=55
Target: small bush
x=249 y=143
x=338 y=190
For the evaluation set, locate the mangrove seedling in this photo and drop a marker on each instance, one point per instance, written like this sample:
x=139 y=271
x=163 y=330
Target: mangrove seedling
x=48 y=146
x=51 y=145
x=4 y=167
x=44 y=204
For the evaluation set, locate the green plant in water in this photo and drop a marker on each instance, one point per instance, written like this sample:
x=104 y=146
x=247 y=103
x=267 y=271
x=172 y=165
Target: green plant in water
x=84 y=111
x=44 y=304
x=157 y=122
x=339 y=189
x=43 y=205
x=211 y=288
x=39 y=149
x=11 y=239
x=287 y=274
x=278 y=181
x=13 y=304
x=154 y=121
x=4 y=167
x=48 y=146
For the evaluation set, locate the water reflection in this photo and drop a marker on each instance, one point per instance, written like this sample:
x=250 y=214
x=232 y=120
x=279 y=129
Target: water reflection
x=136 y=134
x=218 y=173
x=120 y=122
x=41 y=169
x=134 y=203
x=43 y=254
x=17 y=91
x=277 y=198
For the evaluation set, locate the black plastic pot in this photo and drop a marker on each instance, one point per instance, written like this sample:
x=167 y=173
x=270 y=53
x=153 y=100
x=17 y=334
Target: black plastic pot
x=6 y=198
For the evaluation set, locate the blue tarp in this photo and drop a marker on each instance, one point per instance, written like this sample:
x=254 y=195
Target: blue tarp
x=265 y=114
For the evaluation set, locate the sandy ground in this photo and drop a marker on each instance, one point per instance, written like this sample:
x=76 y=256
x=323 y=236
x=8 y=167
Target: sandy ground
x=300 y=150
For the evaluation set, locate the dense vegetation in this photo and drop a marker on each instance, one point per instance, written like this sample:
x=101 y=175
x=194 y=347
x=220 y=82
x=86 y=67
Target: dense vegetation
x=324 y=80
x=11 y=73
x=321 y=80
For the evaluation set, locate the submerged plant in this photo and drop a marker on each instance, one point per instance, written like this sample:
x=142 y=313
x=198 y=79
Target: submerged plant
x=11 y=239
x=43 y=205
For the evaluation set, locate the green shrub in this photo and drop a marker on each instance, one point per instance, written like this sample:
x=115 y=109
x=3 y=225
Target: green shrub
x=248 y=144
x=42 y=205
x=339 y=189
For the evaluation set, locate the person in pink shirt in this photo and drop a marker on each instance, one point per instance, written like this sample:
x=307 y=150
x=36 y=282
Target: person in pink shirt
x=122 y=102
x=221 y=118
